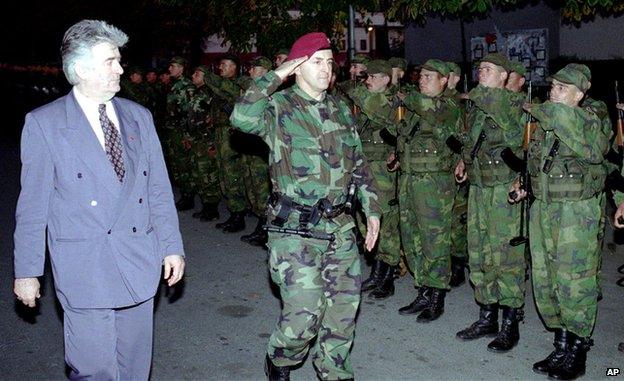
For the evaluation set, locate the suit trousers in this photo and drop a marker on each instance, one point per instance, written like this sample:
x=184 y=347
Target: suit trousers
x=109 y=344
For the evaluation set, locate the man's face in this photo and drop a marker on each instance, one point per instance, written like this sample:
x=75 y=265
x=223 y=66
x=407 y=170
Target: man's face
x=491 y=75
x=453 y=80
x=563 y=93
x=100 y=74
x=279 y=59
x=136 y=78
x=356 y=70
x=315 y=73
x=176 y=70
x=515 y=82
x=398 y=73
x=198 y=78
x=257 y=71
x=227 y=69
x=165 y=78
x=431 y=83
x=151 y=76
x=377 y=83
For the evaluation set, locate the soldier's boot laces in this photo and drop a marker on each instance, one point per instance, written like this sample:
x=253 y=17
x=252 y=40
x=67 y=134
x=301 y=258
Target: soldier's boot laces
x=509 y=334
x=225 y=223
x=458 y=276
x=487 y=325
x=435 y=309
x=210 y=212
x=556 y=357
x=259 y=236
x=420 y=303
x=385 y=287
x=237 y=224
x=186 y=202
x=276 y=373
x=377 y=271
x=573 y=365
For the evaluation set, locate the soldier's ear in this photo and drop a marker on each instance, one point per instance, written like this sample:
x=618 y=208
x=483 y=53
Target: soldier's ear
x=444 y=80
x=522 y=81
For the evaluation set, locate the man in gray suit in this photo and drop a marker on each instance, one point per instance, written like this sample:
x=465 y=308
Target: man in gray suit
x=93 y=174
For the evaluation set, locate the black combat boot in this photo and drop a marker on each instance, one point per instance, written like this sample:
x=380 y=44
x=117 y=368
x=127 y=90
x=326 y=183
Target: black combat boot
x=186 y=202
x=385 y=287
x=221 y=225
x=509 y=334
x=258 y=236
x=276 y=373
x=458 y=276
x=208 y=212
x=556 y=357
x=487 y=325
x=377 y=271
x=420 y=303
x=573 y=365
x=435 y=309
x=237 y=224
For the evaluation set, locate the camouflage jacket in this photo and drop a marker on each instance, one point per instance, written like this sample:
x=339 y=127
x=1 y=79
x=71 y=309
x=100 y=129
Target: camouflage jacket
x=315 y=151
x=200 y=120
x=602 y=112
x=178 y=101
x=497 y=113
x=136 y=92
x=375 y=112
x=422 y=139
x=225 y=91
x=576 y=166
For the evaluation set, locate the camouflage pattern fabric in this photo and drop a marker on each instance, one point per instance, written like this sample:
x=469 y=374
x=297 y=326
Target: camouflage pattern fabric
x=136 y=92
x=427 y=186
x=315 y=152
x=178 y=140
x=257 y=182
x=371 y=106
x=496 y=268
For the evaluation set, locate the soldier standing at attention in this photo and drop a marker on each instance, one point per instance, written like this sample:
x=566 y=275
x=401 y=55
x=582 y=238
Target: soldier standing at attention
x=427 y=188
x=378 y=140
x=316 y=167
x=178 y=138
x=497 y=269
x=516 y=80
x=205 y=171
x=565 y=218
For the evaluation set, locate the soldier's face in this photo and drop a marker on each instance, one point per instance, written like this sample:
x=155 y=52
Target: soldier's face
x=227 y=69
x=491 y=75
x=257 y=71
x=377 y=83
x=431 y=83
x=564 y=93
x=176 y=70
x=453 y=80
x=151 y=77
x=515 y=82
x=164 y=78
x=356 y=69
x=279 y=59
x=198 y=78
x=100 y=73
x=136 y=78
x=315 y=73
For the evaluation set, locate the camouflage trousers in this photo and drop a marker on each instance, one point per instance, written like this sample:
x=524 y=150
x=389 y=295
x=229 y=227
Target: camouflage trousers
x=601 y=236
x=388 y=248
x=496 y=268
x=180 y=161
x=459 y=231
x=231 y=171
x=319 y=285
x=426 y=202
x=565 y=263
x=206 y=171
x=257 y=183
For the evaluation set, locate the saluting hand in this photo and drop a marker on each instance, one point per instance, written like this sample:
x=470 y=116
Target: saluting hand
x=288 y=67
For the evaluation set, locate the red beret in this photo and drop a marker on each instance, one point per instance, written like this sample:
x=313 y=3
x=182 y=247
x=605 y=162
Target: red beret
x=308 y=44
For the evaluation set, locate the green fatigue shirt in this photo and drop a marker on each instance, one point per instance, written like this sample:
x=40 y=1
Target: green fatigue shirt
x=370 y=121
x=315 y=151
x=178 y=101
x=225 y=92
x=422 y=140
x=602 y=112
x=136 y=92
x=498 y=114
x=577 y=164
x=200 y=120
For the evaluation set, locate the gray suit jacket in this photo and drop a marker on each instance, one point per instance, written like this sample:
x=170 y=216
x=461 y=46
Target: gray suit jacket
x=106 y=239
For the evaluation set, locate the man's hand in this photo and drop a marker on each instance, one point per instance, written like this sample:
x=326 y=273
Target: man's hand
x=620 y=106
x=372 y=232
x=519 y=192
x=392 y=162
x=527 y=106
x=174 y=269
x=618 y=219
x=288 y=67
x=27 y=290
x=460 y=172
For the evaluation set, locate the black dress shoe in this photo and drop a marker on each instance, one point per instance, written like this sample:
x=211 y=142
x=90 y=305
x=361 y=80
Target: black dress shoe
x=420 y=303
x=487 y=325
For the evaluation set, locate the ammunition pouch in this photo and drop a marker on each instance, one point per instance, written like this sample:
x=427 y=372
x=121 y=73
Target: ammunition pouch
x=494 y=170
x=312 y=215
x=566 y=181
x=514 y=162
x=454 y=144
x=376 y=150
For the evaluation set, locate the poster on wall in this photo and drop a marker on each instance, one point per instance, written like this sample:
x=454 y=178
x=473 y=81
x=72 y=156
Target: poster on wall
x=528 y=46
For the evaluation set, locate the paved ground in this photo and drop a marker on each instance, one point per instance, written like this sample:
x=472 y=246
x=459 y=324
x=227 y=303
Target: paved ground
x=216 y=326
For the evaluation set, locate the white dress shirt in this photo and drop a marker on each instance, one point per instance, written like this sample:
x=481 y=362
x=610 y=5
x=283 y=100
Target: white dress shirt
x=90 y=109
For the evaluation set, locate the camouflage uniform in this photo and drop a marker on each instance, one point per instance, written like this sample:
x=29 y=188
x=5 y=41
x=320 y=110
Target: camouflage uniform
x=314 y=153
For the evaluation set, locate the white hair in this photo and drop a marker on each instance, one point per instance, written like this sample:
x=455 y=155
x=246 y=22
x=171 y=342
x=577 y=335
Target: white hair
x=81 y=37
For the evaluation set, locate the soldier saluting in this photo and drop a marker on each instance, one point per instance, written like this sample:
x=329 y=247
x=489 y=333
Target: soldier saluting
x=316 y=162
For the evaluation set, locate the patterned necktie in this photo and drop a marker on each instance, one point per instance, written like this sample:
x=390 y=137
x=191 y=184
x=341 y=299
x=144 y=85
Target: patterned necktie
x=112 y=143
